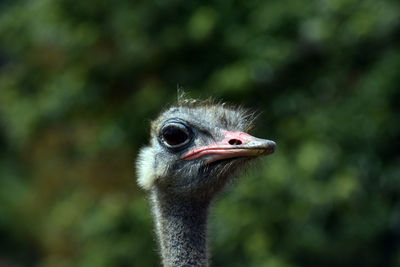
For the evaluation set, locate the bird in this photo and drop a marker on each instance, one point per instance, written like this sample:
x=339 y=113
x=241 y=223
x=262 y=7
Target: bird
x=196 y=147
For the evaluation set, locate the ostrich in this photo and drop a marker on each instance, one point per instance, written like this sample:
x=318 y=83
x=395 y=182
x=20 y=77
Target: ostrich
x=196 y=147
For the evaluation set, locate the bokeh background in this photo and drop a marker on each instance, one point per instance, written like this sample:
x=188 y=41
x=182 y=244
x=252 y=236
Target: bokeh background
x=80 y=81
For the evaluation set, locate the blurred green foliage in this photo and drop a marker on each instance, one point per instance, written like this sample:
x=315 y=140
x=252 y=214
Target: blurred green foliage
x=80 y=80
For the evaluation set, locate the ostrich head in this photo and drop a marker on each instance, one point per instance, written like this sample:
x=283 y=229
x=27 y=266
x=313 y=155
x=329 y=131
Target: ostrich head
x=196 y=147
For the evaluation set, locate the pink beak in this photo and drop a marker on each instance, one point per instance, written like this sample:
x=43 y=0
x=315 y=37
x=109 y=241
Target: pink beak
x=234 y=144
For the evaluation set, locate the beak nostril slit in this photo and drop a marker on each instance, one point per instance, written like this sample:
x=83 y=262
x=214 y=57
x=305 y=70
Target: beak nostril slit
x=235 y=142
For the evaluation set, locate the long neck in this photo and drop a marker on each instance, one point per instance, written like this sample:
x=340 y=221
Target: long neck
x=181 y=227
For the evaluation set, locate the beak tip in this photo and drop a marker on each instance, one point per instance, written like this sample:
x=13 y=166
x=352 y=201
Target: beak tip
x=271 y=143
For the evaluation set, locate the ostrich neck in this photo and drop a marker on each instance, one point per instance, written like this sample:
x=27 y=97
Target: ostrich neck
x=181 y=227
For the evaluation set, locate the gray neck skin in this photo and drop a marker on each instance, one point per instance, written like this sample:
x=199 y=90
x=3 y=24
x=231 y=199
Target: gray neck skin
x=181 y=227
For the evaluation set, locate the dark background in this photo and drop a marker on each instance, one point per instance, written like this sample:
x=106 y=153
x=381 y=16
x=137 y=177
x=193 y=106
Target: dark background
x=80 y=81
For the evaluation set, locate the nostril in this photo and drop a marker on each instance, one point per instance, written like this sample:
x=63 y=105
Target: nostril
x=235 y=142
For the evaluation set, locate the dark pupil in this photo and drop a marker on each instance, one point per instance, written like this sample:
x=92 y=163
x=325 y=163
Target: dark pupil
x=174 y=136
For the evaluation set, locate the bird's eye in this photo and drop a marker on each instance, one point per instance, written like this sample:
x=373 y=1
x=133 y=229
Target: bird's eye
x=175 y=135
